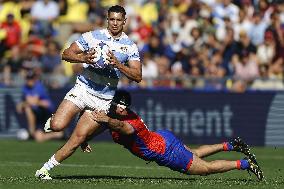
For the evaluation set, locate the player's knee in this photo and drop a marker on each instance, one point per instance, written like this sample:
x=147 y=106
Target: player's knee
x=209 y=169
x=205 y=169
x=56 y=125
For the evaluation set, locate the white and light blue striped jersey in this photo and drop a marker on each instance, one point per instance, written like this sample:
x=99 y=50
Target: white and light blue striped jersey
x=102 y=82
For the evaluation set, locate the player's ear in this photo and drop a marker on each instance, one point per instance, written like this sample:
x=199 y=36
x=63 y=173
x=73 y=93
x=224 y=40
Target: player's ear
x=124 y=21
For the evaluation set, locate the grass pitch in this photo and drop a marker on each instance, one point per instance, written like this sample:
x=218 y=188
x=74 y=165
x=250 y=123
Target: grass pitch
x=111 y=166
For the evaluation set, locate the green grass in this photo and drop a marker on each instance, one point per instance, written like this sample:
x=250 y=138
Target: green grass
x=111 y=166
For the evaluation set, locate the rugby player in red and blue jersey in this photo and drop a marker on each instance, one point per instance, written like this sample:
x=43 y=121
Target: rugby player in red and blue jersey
x=163 y=147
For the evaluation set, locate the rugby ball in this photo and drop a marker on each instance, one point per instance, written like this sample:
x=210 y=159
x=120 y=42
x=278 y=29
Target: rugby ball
x=22 y=134
x=101 y=50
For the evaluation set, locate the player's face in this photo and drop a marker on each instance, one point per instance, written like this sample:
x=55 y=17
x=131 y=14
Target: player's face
x=115 y=22
x=121 y=110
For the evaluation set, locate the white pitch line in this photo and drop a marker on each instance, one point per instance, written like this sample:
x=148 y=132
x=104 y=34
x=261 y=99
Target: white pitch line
x=28 y=164
x=111 y=166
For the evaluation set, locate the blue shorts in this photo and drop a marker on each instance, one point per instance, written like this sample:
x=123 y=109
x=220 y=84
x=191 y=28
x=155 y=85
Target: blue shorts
x=176 y=156
x=41 y=114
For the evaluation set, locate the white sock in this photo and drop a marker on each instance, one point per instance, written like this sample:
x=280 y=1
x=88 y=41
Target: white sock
x=51 y=163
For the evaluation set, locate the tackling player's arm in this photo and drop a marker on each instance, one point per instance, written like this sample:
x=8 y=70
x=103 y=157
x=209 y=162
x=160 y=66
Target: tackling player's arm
x=74 y=54
x=114 y=124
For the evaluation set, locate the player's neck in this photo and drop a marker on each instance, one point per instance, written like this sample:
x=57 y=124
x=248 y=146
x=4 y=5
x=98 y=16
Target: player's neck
x=115 y=36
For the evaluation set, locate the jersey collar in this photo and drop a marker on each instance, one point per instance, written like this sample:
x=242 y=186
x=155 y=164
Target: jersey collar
x=109 y=36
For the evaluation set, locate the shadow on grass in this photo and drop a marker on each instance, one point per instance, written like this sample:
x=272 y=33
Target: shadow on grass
x=107 y=177
x=190 y=179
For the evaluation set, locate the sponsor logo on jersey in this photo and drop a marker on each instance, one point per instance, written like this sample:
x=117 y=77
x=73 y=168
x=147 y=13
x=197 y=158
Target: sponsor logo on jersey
x=72 y=95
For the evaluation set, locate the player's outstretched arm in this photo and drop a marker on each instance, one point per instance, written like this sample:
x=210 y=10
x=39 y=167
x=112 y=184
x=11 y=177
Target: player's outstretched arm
x=74 y=54
x=114 y=124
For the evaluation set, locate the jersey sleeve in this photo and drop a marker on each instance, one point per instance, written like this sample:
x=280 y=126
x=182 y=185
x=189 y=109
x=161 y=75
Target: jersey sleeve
x=133 y=53
x=135 y=121
x=82 y=42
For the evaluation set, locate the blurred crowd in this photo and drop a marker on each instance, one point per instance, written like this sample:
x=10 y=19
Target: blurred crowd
x=232 y=45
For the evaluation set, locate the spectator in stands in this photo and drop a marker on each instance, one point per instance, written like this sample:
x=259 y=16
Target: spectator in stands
x=149 y=67
x=238 y=86
x=51 y=58
x=266 y=50
x=58 y=79
x=197 y=41
x=9 y=47
x=177 y=74
x=164 y=74
x=243 y=24
x=31 y=51
x=265 y=8
x=154 y=46
x=280 y=9
x=12 y=32
x=228 y=49
x=214 y=73
x=184 y=25
x=63 y=7
x=43 y=13
x=257 y=30
x=9 y=7
x=225 y=8
x=265 y=81
x=245 y=66
x=174 y=47
x=244 y=44
x=278 y=34
x=37 y=107
x=143 y=30
x=96 y=13
x=34 y=45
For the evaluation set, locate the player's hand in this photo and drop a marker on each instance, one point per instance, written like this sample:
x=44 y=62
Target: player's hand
x=100 y=116
x=112 y=59
x=86 y=147
x=90 y=56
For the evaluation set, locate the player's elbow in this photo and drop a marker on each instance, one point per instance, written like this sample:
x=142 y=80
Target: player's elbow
x=64 y=55
x=125 y=129
x=128 y=131
x=138 y=79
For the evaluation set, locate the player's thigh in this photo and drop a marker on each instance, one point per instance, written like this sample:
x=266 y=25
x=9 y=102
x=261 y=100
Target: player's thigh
x=198 y=166
x=191 y=149
x=64 y=114
x=86 y=126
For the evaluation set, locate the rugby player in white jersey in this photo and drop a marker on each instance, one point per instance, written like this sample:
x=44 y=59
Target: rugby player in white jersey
x=95 y=86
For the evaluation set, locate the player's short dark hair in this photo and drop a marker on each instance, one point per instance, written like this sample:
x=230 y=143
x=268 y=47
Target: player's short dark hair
x=117 y=9
x=122 y=97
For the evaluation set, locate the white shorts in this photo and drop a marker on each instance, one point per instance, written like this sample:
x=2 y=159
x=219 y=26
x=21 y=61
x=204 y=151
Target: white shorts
x=85 y=100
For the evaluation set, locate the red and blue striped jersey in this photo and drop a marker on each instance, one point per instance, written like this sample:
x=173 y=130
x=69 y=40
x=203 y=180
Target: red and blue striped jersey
x=143 y=143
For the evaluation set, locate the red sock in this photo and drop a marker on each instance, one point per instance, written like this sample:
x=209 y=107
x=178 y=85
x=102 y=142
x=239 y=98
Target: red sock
x=238 y=164
x=225 y=146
